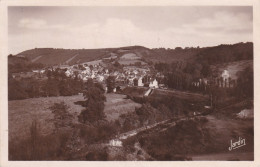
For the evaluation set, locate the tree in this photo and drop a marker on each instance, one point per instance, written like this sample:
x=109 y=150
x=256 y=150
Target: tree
x=94 y=95
x=117 y=64
x=245 y=83
x=110 y=84
x=206 y=70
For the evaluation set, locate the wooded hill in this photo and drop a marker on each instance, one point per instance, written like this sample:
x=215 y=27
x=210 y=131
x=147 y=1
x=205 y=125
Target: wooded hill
x=212 y=55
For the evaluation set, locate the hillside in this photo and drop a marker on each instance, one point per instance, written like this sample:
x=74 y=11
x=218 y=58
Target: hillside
x=213 y=55
x=21 y=64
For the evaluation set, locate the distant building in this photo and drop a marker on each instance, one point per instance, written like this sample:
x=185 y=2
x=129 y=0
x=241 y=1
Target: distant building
x=226 y=79
x=225 y=75
x=153 y=84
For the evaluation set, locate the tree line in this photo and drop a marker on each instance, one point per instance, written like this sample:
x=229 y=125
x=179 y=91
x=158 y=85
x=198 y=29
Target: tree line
x=57 y=84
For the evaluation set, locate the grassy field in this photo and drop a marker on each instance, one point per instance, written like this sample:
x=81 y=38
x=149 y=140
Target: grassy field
x=131 y=56
x=130 y=61
x=196 y=97
x=117 y=105
x=22 y=112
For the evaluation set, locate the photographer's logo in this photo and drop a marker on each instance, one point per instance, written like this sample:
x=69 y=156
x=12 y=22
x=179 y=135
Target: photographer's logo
x=234 y=145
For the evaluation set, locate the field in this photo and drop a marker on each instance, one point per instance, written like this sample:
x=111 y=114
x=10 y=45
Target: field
x=96 y=62
x=22 y=112
x=129 y=61
x=130 y=58
x=196 y=97
x=117 y=105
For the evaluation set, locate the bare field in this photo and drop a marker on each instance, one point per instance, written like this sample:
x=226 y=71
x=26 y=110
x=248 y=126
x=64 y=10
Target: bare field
x=22 y=112
x=116 y=105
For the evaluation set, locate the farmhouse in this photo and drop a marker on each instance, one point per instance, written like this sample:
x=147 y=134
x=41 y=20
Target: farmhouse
x=153 y=84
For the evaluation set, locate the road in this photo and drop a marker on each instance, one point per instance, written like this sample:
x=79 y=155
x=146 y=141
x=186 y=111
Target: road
x=117 y=141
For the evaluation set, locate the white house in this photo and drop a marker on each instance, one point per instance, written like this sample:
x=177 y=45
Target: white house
x=153 y=84
x=85 y=78
x=115 y=143
x=135 y=72
x=140 y=81
x=106 y=71
x=93 y=76
x=68 y=73
x=38 y=71
x=100 y=78
x=225 y=75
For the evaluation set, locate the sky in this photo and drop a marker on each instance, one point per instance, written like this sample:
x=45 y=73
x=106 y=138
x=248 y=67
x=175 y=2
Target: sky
x=104 y=27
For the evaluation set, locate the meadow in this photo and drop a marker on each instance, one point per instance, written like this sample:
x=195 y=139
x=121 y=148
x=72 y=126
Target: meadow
x=22 y=113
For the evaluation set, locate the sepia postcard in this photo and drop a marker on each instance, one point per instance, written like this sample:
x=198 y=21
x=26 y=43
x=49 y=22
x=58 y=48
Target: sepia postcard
x=129 y=83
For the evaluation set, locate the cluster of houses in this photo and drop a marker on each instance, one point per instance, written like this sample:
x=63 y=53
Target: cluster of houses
x=127 y=76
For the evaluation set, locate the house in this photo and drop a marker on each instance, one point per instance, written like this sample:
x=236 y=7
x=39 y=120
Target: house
x=100 y=78
x=153 y=84
x=225 y=75
x=85 y=78
x=140 y=81
x=93 y=76
x=135 y=72
x=68 y=73
x=38 y=71
x=80 y=76
x=131 y=80
x=114 y=90
x=86 y=71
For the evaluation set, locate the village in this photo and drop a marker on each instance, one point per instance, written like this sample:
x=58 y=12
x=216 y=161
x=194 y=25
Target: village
x=127 y=76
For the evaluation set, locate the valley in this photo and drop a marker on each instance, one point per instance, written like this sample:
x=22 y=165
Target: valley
x=130 y=103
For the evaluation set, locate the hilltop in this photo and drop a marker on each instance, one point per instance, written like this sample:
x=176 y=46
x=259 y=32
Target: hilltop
x=133 y=54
